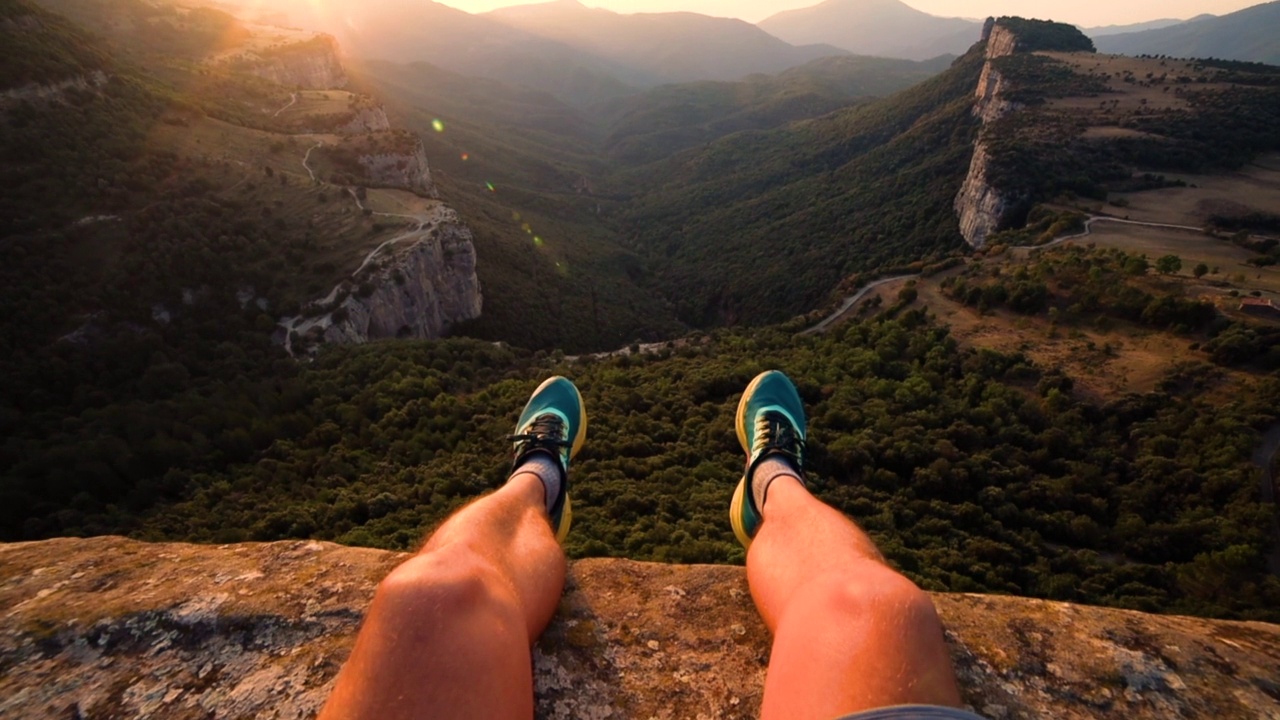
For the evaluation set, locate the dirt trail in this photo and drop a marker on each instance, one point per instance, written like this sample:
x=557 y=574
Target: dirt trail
x=304 y=323
x=1088 y=230
x=307 y=158
x=293 y=98
x=850 y=301
x=862 y=292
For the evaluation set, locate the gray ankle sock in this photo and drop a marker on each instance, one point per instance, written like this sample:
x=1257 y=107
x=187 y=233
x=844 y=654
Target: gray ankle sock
x=547 y=471
x=774 y=467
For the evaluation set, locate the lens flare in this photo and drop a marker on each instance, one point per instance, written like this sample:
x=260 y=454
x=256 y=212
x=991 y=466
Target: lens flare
x=438 y=124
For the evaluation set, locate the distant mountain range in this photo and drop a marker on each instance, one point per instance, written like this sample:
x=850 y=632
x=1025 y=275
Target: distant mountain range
x=585 y=56
x=887 y=28
x=1252 y=34
x=574 y=52
x=670 y=47
x=1104 y=31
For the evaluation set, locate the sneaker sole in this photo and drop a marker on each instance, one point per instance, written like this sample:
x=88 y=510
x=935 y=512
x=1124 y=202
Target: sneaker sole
x=736 y=505
x=740 y=420
x=735 y=513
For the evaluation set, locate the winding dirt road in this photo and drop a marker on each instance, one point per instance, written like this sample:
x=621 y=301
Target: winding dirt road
x=293 y=98
x=853 y=299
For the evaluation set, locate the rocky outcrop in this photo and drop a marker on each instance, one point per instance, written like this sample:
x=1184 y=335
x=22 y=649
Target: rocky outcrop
x=408 y=170
x=422 y=285
x=53 y=92
x=980 y=206
x=366 y=120
x=312 y=65
x=113 y=628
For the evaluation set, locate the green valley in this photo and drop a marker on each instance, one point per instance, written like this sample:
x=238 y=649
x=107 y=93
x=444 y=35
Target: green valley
x=255 y=288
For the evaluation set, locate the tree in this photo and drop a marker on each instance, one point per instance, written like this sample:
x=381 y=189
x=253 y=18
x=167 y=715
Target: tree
x=1136 y=265
x=1200 y=271
x=1169 y=265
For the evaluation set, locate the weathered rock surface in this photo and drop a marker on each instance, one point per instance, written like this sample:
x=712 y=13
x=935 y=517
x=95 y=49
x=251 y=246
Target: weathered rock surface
x=981 y=207
x=312 y=65
x=113 y=628
x=422 y=287
x=367 y=120
x=408 y=170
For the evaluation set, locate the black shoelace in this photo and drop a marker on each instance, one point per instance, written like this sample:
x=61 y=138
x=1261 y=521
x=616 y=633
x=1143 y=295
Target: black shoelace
x=545 y=432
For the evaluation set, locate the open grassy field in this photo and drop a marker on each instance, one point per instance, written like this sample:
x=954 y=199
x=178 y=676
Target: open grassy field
x=317 y=102
x=1255 y=187
x=1193 y=248
x=1106 y=364
x=263 y=37
x=1151 y=88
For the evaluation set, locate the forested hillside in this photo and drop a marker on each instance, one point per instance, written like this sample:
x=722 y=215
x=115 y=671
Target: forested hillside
x=760 y=226
x=167 y=204
x=975 y=470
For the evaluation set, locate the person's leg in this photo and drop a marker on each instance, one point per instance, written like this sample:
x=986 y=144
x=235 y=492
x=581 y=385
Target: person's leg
x=450 y=630
x=850 y=634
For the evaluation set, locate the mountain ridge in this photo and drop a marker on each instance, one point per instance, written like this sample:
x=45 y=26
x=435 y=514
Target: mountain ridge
x=1247 y=35
x=875 y=27
x=673 y=46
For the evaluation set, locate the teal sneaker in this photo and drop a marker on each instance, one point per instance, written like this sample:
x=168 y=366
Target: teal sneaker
x=554 y=422
x=770 y=421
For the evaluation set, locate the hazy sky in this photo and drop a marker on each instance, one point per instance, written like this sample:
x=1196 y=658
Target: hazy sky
x=1082 y=12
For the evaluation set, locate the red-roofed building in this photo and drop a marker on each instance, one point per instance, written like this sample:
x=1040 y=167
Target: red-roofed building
x=1262 y=307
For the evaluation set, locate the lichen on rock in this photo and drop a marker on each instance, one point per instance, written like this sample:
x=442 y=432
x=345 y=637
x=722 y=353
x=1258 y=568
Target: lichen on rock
x=115 y=628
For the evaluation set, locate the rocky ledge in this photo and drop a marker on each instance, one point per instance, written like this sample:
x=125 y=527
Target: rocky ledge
x=114 y=628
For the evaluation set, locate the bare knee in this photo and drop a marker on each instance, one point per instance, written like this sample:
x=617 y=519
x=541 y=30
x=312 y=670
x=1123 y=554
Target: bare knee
x=448 y=584
x=879 y=596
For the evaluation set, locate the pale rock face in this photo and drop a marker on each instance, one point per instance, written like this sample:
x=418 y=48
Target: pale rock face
x=425 y=287
x=409 y=170
x=319 y=70
x=981 y=207
x=367 y=120
x=114 y=628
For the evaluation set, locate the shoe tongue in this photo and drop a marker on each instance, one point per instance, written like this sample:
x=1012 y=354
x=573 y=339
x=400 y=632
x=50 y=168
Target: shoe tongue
x=553 y=418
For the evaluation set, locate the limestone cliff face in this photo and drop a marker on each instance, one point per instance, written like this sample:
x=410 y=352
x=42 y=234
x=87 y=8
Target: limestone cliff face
x=313 y=65
x=981 y=207
x=423 y=285
x=366 y=120
x=408 y=170
x=112 y=628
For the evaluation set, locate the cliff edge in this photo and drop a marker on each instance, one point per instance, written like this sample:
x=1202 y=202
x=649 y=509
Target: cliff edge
x=982 y=206
x=114 y=628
